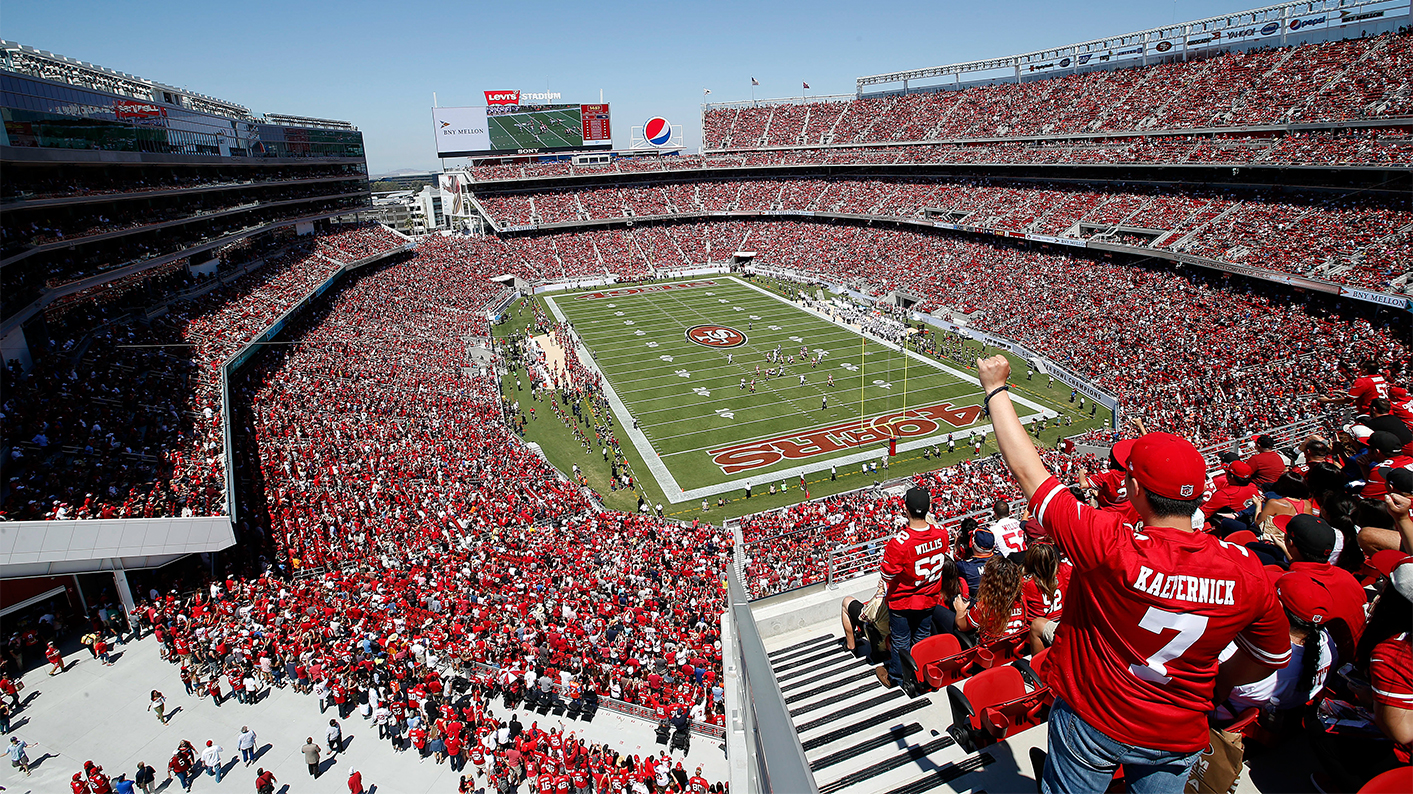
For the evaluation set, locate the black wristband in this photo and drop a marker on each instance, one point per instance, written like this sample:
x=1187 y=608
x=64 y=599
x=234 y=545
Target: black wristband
x=986 y=403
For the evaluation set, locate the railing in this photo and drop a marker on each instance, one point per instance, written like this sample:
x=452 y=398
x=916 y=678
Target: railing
x=704 y=729
x=839 y=562
x=1285 y=436
x=762 y=733
x=847 y=562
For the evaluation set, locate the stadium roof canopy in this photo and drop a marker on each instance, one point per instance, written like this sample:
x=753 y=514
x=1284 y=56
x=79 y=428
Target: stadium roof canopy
x=1271 y=25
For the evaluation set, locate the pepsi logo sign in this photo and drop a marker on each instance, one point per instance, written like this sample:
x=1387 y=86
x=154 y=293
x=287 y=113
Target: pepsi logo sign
x=715 y=336
x=657 y=131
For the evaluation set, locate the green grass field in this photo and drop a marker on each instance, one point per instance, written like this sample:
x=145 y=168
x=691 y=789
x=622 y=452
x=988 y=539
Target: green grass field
x=701 y=435
x=565 y=129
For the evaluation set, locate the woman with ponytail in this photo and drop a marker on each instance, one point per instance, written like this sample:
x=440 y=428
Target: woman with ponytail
x=1308 y=604
x=1382 y=682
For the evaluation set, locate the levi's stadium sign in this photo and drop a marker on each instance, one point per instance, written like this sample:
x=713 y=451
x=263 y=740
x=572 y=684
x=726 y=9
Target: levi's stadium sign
x=517 y=97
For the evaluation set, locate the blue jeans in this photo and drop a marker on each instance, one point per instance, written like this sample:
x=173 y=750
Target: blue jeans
x=1082 y=759
x=215 y=769
x=906 y=628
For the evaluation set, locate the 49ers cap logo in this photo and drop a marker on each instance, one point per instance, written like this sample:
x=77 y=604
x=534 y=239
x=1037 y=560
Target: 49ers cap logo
x=715 y=336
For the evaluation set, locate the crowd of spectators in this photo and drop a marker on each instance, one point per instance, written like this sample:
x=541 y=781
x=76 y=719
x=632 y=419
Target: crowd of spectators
x=122 y=417
x=25 y=280
x=1363 y=146
x=421 y=541
x=1196 y=378
x=1354 y=239
x=57 y=182
x=792 y=547
x=1323 y=528
x=28 y=227
x=1330 y=81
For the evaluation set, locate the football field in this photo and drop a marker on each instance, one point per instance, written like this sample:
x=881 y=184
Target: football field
x=522 y=130
x=675 y=356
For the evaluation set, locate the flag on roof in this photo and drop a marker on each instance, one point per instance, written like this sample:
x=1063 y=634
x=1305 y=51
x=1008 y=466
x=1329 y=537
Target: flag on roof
x=807 y=85
x=754 y=81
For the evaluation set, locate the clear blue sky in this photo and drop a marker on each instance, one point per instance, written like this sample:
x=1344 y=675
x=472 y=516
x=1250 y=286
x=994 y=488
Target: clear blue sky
x=376 y=64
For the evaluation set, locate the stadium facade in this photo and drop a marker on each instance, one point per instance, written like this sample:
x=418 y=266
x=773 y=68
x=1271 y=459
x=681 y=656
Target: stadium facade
x=123 y=195
x=1252 y=199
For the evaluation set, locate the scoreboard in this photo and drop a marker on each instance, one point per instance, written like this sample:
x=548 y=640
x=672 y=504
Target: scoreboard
x=595 y=123
x=508 y=127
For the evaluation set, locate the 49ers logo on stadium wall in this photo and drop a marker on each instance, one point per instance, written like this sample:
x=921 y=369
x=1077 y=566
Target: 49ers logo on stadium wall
x=715 y=336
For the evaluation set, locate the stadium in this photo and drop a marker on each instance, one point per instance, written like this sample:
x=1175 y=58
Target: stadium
x=766 y=468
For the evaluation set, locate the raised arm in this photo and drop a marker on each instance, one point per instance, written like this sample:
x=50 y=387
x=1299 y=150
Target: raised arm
x=1398 y=506
x=1016 y=447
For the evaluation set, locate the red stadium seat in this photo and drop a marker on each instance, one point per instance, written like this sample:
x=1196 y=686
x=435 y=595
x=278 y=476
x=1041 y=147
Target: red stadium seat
x=1394 y=781
x=950 y=669
x=1003 y=650
x=938 y=646
x=997 y=703
x=1242 y=537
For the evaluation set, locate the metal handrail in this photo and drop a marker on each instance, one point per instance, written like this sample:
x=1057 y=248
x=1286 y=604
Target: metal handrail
x=1285 y=436
x=846 y=562
x=775 y=759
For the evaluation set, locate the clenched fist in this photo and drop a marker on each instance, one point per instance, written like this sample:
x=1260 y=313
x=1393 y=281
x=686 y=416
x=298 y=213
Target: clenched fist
x=995 y=371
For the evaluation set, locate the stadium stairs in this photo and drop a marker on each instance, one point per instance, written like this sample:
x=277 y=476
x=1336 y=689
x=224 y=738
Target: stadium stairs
x=859 y=737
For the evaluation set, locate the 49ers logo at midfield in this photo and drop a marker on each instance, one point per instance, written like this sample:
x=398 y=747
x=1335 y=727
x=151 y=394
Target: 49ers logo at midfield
x=715 y=336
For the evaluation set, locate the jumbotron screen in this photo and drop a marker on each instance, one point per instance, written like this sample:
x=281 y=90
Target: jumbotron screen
x=470 y=131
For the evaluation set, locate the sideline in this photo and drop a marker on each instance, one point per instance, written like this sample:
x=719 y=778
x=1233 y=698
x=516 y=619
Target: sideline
x=674 y=493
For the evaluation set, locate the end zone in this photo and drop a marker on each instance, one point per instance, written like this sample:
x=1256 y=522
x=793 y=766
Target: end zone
x=873 y=427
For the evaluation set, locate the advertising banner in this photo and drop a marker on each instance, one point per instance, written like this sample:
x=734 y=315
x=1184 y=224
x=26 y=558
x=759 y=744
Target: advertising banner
x=455 y=202
x=461 y=131
x=1369 y=296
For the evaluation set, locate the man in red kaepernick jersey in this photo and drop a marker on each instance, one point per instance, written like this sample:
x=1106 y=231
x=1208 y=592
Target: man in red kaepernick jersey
x=1134 y=665
x=910 y=583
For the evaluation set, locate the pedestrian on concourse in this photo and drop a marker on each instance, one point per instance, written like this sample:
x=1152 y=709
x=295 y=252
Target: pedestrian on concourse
x=311 y=756
x=159 y=705
x=19 y=759
x=335 y=736
x=145 y=777
x=211 y=759
x=245 y=743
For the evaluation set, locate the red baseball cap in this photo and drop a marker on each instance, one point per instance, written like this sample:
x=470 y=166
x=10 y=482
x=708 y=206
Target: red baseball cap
x=1385 y=561
x=1305 y=596
x=1240 y=468
x=1166 y=465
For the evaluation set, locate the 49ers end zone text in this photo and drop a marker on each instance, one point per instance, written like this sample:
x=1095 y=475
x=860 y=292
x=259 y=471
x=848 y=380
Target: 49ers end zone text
x=845 y=435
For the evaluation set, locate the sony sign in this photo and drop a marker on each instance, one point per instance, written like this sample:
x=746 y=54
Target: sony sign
x=460 y=130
